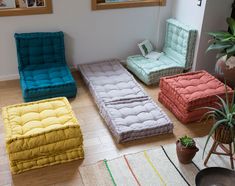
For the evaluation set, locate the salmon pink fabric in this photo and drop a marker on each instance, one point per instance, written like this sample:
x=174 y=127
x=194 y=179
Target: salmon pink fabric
x=184 y=94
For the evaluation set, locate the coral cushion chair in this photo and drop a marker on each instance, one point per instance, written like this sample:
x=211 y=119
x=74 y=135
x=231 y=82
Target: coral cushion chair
x=42 y=66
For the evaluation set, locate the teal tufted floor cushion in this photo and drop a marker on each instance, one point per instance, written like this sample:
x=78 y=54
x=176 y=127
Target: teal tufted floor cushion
x=178 y=53
x=42 y=66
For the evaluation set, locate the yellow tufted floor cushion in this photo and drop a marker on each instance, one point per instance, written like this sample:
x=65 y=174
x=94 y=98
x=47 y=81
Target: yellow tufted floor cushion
x=41 y=133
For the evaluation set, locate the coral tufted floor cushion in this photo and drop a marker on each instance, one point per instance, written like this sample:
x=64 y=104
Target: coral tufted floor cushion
x=184 y=94
x=41 y=133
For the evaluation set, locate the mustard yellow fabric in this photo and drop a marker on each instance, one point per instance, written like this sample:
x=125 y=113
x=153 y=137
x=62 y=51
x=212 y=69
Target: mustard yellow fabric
x=41 y=133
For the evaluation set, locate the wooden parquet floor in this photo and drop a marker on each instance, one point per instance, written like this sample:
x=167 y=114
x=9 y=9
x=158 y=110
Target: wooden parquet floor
x=98 y=142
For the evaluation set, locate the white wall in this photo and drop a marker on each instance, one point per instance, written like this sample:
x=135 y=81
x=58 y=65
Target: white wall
x=90 y=35
x=215 y=16
x=188 y=12
x=211 y=16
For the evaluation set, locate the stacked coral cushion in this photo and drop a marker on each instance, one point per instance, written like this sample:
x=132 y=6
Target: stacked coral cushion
x=185 y=94
x=41 y=133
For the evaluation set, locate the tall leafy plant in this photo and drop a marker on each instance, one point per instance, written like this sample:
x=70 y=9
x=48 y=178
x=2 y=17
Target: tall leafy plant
x=224 y=115
x=223 y=41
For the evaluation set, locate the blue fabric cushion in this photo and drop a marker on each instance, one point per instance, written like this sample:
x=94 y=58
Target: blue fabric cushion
x=42 y=66
x=40 y=48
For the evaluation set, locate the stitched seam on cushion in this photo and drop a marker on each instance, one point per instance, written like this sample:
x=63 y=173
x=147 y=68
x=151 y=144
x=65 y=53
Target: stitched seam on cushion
x=36 y=98
x=68 y=106
x=165 y=129
x=137 y=66
x=9 y=128
x=195 y=99
x=47 y=96
x=164 y=71
x=120 y=132
x=175 y=76
x=79 y=151
x=79 y=137
x=41 y=133
x=40 y=101
x=45 y=156
x=143 y=78
x=50 y=86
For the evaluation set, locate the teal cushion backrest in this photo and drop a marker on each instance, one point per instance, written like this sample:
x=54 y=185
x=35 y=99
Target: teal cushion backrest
x=180 y=43
x=40 y=48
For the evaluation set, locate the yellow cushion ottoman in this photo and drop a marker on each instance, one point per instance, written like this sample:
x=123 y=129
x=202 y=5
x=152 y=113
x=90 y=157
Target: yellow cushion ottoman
x=41 y=133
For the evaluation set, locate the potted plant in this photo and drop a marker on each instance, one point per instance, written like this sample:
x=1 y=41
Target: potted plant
x=186 y=149
x=224 y=43
x=223 y=129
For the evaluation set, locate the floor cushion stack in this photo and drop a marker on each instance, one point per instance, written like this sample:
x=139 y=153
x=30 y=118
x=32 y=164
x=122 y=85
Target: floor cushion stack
x=185 y=94
x=42 y=66
x=128 y=111
x=41 y=133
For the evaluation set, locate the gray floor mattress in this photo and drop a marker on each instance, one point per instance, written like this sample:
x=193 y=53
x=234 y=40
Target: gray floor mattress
x=128 y=111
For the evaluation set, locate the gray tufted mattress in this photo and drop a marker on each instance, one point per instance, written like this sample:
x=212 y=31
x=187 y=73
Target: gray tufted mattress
x=128 y=111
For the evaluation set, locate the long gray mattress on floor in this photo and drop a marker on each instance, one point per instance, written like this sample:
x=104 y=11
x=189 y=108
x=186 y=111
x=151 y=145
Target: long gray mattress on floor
x=128 y=111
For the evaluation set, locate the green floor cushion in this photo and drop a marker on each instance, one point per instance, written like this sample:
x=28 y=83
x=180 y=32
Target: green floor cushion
x=178 y=54
x=180 y=42
x=150 y=71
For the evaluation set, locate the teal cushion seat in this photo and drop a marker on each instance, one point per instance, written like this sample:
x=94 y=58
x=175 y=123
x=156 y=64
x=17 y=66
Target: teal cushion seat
x=54 y=81
x=42 y=66
x=178 y=54
x=146 y=69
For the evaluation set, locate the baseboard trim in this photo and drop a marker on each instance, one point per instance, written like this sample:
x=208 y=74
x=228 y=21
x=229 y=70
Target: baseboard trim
x=16 y=76
x=9 y=77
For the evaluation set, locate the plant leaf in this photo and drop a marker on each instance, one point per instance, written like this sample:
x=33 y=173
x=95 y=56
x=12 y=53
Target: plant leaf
x=220 y=35
x=225 y=106
x=218 y=46
x=232 y=102
x=231 y=49
x=216 y=110
x=231 y=23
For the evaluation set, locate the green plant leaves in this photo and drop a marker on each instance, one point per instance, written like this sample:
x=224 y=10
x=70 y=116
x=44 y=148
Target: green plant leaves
x=218 y=46
x=231 y=23
x=220 y=35
x=225 y=115
x=223 y=41
x=187 y=141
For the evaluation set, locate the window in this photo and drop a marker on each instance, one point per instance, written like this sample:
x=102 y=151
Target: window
x=101 y=5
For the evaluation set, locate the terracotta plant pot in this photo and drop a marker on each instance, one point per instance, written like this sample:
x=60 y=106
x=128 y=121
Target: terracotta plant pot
x=185 y=154
x=225 y=70
x=224 y=135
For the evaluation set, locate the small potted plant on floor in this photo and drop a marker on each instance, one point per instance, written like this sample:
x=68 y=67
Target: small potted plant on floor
x=186 y=149
x=223 y=129
x=224 y=43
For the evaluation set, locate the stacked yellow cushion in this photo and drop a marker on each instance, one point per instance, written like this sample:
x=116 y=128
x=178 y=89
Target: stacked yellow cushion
x=41 y=133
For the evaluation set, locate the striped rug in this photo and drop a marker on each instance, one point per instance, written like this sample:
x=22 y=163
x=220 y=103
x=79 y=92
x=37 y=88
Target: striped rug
x=155 y=167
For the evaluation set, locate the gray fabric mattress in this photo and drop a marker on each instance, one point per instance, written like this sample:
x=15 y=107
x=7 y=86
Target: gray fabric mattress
x=128 y=111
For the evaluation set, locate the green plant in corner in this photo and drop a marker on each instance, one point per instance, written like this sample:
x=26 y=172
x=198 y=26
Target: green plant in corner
x=224 y=117
x=187 y=141
x=224 y=41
